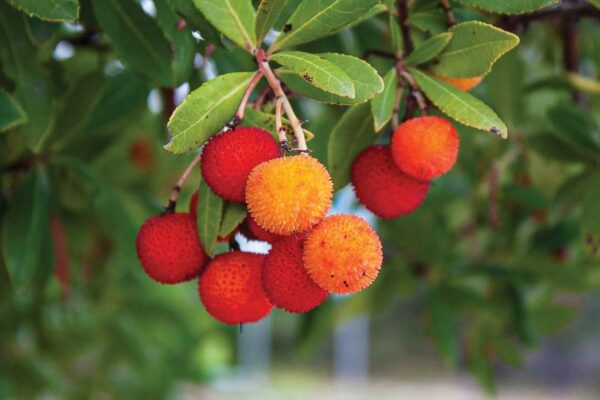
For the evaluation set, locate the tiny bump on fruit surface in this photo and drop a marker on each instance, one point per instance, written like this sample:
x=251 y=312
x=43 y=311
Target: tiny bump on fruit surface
x=382 y=187
x=231 y=290
x=228 y=158
x=285 y=279
x=425 y=147
x=289 y=194
x=169 y=249
x=343 y=254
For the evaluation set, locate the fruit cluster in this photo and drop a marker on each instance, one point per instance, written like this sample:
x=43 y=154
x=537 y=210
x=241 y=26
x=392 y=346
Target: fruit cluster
x=287 y=198
x=393 y=180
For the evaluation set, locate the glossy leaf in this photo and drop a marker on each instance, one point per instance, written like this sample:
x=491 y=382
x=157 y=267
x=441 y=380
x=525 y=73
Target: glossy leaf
x=459 y=105
x=206 y=111
x=270 y=12
x=234 y=18
x=11 y=113
x=187 y=10
x=430 y=48
x=353 y=133
x=233 y=216
x=137 y=39
x=20 y=64
x=509 y=7
x=474 y=48
x=442 y=327
x=50 y=10
x=209 y=216
x=26 y=231
x=318 y=72
x=316 y=19
x=396 y=34
x=367 y=82
x=382 y=106
x=266 y=121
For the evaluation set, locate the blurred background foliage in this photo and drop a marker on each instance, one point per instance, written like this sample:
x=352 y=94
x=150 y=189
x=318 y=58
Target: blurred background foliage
x=503 y=252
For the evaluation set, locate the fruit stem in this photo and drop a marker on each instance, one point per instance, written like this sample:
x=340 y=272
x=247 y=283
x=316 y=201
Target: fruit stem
x=263 y=65
x=170 y=208
x=239 y=114
x=415 y=91
x=449 y=14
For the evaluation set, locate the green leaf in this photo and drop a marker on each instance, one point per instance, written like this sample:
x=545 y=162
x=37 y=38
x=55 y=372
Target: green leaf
x=209 y=217
x=459 y=105
x=367 y=82
x=553 y=148
x=79 y=105
x=474 y=48
x=590 y=217
x=382 y=106
x=584 y=83
x=19 y=62
x=441 y=326
x=576 y=128
x=137 y=39
x=181 y=40
x=396 y=34
x=429 y=49
x=549 y=319
x=315 y=19
x=317 y=71
x=270 y=12
x=40 y=32
x=353 y=133
x=205 y=111
x=508 y=7
x=265 y=121
x=26 y=231
x=595 y=3
x=11 y=113
x=234 y=18
x=233 y=216
x=187 y=10
x=50 y=10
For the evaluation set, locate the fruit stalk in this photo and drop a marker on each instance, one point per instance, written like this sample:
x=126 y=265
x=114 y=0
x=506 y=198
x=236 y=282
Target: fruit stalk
x=239 y=114
x=170 y=208
x=449 y=14
x=273 y=81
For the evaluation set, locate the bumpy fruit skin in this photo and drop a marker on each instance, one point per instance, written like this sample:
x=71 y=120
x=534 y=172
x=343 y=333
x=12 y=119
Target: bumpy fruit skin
x=169 y=249
x=259 y=233
x=289 y=195
x=343 y=254
x=285 y=279
x=464 y=84
x=228 y=158
x=425 y=147
x=231 y=290
x=381 y=187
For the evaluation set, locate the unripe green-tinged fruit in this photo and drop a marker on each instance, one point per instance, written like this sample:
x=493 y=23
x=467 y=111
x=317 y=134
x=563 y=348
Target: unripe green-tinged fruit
x=169 y=249
x=343 y=254
x=231 y=290
x=425 y=147
x=289 y=195
x=381 y=187
x=228 y=158
x=285 y=279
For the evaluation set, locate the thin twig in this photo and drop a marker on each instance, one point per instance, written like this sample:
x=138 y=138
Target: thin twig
x=404 y=28
x=239 y=114
x=449 y=14
x=415 y=91
x=262 y=97
x=273 y=81
x=170 y=208
x=397 y=100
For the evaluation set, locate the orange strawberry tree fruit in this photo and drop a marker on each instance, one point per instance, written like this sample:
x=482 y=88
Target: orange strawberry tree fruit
x=383 y=149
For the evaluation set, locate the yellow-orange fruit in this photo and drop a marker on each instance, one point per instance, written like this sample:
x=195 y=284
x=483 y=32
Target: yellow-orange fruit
x=464 y=84
x=289 y=195
x=425 y=147
x=343 y=254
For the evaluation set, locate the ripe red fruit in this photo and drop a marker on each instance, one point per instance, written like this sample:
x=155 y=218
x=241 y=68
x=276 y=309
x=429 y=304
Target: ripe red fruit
x=285 y=280
x=169 y=249
x=259 y=233
x=228 y=158
x=381 y=187
x=425 y=147
x=231 y=290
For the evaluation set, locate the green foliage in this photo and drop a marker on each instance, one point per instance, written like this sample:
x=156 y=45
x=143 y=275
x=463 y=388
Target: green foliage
x=487 y=257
